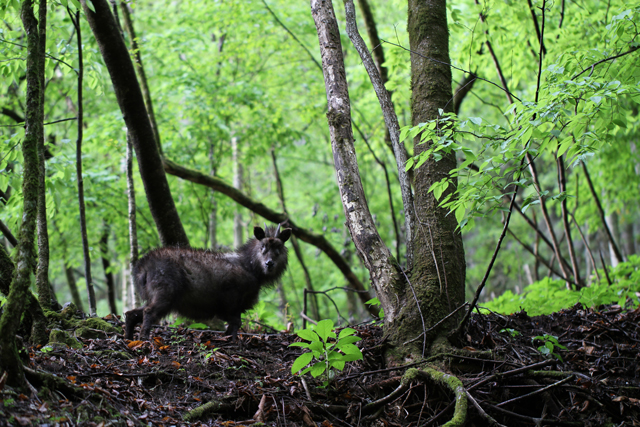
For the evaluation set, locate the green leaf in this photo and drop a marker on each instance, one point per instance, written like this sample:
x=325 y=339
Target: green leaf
x=307 y=334
x=300 y=344
x=302 y=361
x=317 y=369
x=324 y=328
x=346 y=332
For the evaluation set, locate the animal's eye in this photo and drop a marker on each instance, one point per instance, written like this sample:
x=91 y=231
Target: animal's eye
x=264 y=249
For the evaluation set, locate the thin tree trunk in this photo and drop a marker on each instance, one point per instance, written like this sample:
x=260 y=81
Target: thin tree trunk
x=26 y=257
x=131 y=102
x=144 y=86
x=391 y=121
x=106 y=266
x=73 y=287
x=42 y=272
x=237 y=183
x=133 y=228
x=612 y=242
x=562 y=182
x=384 y=272
x=83 y=221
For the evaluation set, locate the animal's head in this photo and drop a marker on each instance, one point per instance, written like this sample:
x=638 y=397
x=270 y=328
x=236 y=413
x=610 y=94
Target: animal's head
x=270 y=249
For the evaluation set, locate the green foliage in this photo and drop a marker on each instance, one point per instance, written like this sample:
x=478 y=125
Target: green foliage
x=550 y=345
x=548 y=296
x=331 y=352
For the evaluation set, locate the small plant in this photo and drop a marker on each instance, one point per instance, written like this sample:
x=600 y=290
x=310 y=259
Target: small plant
x=331 y=352
x=549 y=346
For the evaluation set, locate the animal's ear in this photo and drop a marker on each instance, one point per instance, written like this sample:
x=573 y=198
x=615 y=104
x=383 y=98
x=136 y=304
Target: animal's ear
x=284 y=235
x=258 y=232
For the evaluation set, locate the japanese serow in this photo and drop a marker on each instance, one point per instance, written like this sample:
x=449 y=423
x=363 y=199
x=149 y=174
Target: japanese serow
x=202 y=284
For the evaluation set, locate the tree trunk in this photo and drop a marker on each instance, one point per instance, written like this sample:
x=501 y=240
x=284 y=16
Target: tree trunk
x=129 y=95
x=81 y=205
x=385 y=275
x=9 y=359
x=416 y=300
x=42 y=272
x=106 y=266
x=73 y=287
x=439 y=269
x=237 y=183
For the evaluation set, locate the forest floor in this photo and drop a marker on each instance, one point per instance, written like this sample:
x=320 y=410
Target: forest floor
x=513 y=370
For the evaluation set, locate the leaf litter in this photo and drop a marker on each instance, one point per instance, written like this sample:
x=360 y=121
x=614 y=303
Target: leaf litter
x=589 y=376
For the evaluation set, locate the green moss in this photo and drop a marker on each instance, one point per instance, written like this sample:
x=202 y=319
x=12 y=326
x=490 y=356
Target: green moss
x=102 y=325
x=59 y=336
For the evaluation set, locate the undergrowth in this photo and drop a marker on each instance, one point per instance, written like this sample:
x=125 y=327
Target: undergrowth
x=549 y=296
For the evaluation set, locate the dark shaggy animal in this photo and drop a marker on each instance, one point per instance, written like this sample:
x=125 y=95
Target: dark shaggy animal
x=201 y=284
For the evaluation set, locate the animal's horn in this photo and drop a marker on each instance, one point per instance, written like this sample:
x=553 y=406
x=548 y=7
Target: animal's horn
x=278 y=230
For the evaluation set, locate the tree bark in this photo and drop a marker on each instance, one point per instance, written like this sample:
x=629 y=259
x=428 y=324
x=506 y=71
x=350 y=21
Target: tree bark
x=106 y=266
x=9 y=359
x=130 y=100
x=42 y=271
x=438 y=274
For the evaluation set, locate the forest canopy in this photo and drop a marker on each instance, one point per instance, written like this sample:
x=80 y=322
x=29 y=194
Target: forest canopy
x=237 y=94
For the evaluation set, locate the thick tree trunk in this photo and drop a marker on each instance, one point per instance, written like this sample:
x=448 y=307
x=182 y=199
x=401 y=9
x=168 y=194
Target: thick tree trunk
x=127 y=90
x=439 y=269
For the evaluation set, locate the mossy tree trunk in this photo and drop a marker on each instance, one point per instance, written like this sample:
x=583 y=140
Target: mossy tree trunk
x=26 y=257
x=438 y=273
x=417 y=299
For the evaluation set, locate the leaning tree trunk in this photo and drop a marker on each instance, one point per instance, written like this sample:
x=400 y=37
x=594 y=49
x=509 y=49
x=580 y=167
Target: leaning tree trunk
x=9 y=359
x=385 y=275
x=127 y=90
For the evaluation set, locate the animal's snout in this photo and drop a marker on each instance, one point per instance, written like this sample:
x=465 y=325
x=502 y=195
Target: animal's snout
x=269 y=264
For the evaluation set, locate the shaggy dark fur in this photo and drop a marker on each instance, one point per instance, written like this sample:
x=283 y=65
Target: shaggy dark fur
x=201 y=284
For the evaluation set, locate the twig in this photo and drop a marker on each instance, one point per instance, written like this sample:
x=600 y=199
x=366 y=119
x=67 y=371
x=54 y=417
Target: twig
x=586 y=245
x=595 y=64
x=292 y=35
x=616 y=251
x=492 y=422
x=493 y=260
x=533 y=393
x=604 y=267
x=452 y=66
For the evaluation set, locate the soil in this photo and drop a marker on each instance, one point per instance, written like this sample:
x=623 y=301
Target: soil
x=512 y=368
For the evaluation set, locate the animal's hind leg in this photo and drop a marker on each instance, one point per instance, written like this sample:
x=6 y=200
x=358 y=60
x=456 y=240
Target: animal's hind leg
x=234 y=325
x=133 y=318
